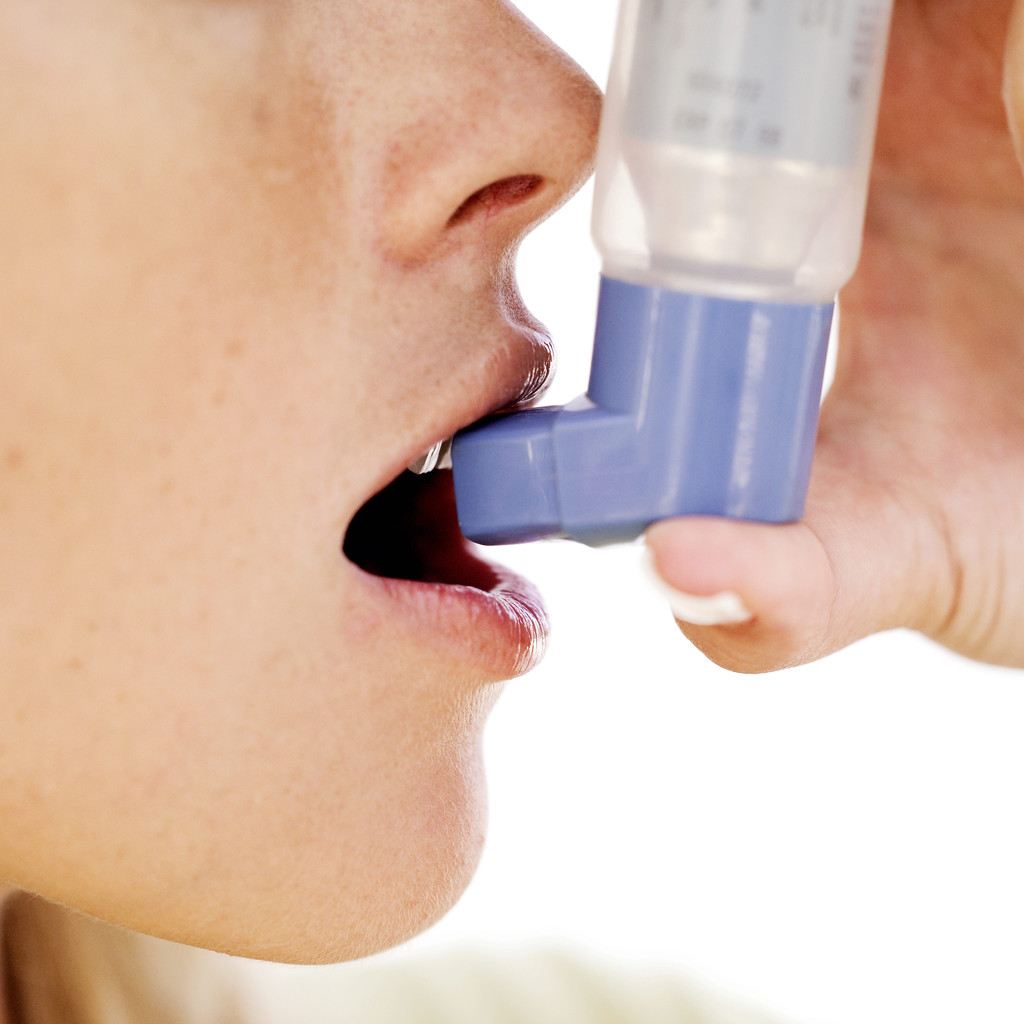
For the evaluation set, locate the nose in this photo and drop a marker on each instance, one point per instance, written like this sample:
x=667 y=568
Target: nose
x=498 y=129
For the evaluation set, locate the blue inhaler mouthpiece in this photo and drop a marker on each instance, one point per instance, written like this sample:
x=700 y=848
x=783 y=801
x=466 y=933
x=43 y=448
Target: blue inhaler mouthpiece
x=696 y=406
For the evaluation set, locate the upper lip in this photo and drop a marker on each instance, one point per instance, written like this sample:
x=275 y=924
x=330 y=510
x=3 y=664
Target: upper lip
x=516 y=382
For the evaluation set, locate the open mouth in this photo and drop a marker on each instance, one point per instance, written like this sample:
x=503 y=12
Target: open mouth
x=410 y=531
x=408 y=537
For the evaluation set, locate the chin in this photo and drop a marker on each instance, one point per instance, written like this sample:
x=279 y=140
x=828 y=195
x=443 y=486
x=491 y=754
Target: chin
x=402 y=871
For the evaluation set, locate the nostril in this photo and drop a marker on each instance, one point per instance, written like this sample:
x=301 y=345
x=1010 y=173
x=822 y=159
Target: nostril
x=496 y=197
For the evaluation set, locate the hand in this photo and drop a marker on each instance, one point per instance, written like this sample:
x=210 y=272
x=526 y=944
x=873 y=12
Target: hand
x=915 y=515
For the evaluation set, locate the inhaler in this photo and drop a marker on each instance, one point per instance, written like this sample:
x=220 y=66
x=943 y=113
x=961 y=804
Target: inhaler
x=732 y=175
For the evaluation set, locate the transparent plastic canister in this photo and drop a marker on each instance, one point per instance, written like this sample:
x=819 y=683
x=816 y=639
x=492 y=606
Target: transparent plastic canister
x=732 y=177
x=736 y=144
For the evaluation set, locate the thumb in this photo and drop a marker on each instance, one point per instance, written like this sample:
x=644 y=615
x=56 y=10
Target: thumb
x=756 y=597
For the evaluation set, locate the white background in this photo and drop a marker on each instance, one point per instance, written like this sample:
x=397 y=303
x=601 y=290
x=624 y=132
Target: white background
x=839 y=843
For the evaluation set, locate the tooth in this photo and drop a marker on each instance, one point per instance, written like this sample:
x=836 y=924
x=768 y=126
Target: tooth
x=438 y=456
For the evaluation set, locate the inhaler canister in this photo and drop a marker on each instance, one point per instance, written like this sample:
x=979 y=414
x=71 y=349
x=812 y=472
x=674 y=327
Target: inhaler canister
x=729 y=203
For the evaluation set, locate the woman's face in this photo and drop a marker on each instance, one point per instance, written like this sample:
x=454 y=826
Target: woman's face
x=255 y=257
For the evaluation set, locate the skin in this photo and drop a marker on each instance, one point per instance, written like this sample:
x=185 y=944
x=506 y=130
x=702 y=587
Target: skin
x=917 y=495
x=248 y=272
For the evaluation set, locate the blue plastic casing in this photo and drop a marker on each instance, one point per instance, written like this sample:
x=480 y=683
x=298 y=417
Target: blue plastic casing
x=696 y=406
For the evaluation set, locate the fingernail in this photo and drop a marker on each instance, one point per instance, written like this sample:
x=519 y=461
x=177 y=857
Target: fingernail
x=722 y=609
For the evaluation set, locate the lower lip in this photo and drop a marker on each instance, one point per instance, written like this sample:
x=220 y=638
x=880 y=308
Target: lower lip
x=495 y=634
